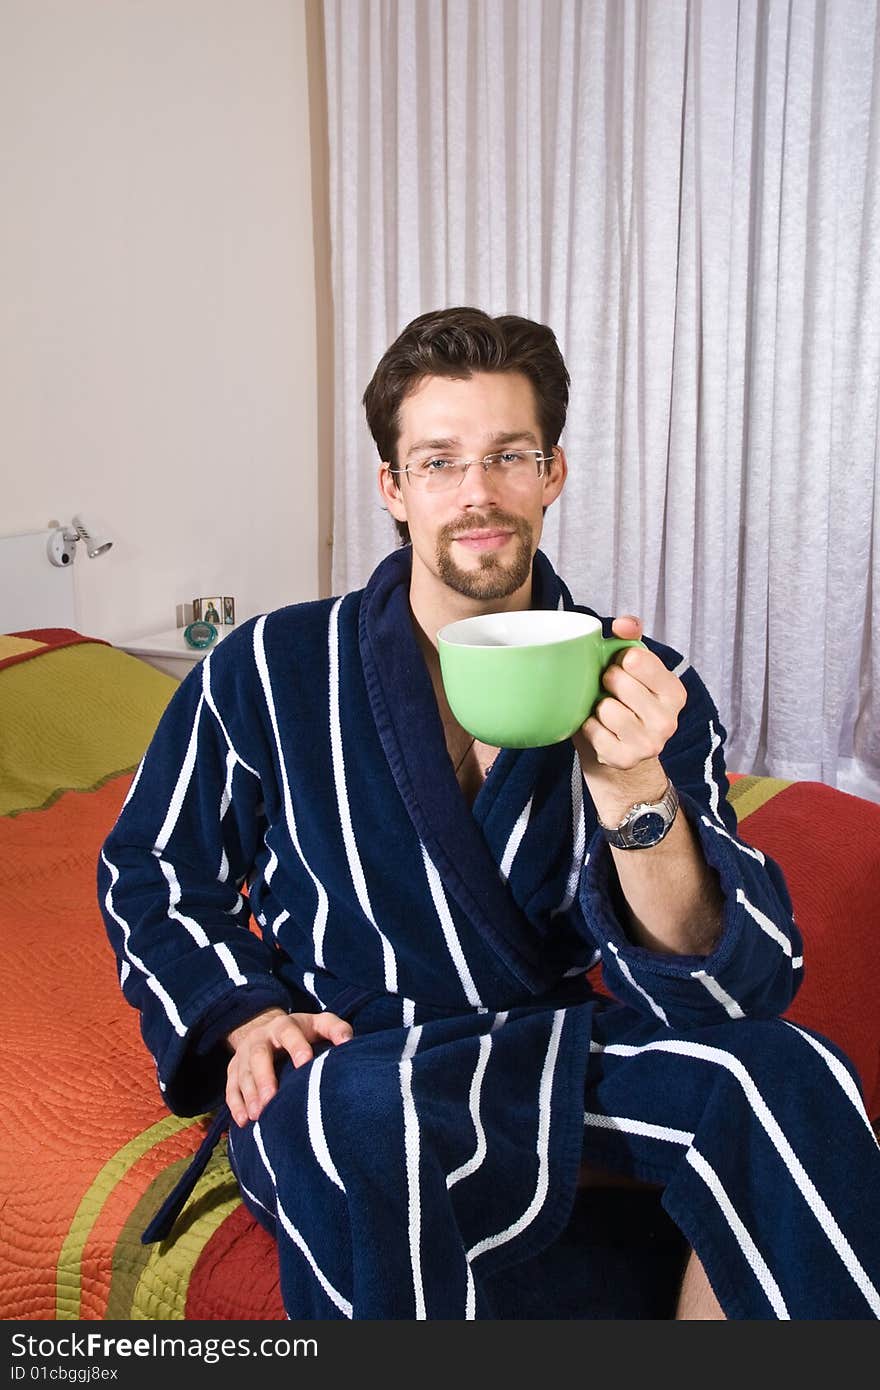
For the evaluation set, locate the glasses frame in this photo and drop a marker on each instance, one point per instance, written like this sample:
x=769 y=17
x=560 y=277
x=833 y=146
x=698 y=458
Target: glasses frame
x=422 y=485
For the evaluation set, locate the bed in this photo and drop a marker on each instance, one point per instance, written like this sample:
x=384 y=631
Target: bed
x=89 y=1151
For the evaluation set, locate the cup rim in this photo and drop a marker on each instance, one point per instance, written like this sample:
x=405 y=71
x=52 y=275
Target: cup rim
x=590 y=623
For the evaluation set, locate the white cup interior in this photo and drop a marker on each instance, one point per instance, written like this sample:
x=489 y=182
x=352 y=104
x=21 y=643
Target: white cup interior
x=525 y=628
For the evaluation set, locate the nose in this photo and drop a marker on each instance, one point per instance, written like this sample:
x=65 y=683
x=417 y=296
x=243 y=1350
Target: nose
x=478 y=487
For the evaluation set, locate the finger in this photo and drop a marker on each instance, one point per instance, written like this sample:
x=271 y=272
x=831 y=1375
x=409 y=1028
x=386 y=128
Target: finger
x=249 y=1093
x=612 y=751
x=647 y=668
x=332 y=1027
x=292 y=1038
x=626 y=727
x=641 y=737
x=658 y=714
x=236 y=1102
x=625 y=690
x=627 y=625
x=262 y=1070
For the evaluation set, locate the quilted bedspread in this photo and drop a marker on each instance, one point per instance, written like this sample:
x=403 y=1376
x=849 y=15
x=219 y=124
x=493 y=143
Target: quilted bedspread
x=89 y=1150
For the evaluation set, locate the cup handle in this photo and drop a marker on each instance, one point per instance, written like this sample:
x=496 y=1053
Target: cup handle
x=612 y=645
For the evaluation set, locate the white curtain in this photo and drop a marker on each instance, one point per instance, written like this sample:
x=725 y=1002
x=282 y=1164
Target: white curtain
x=687 y=192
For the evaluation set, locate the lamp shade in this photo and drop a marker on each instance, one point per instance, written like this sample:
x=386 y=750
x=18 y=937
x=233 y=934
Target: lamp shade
x=95 y=545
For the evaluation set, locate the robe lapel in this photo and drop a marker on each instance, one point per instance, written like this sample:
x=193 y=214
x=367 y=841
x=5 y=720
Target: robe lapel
x=409 y=726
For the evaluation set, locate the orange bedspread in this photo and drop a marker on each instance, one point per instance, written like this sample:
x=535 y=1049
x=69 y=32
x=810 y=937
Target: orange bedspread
x=88 y=1150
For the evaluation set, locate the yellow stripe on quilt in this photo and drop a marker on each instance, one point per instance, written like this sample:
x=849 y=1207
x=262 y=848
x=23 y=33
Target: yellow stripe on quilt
x=68 y=1281
x=14 y=646
x=748 y=794
x=130 y=1255
x=162 y=1289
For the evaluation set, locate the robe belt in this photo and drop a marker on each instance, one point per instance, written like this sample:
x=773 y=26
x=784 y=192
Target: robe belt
x=162 y=1223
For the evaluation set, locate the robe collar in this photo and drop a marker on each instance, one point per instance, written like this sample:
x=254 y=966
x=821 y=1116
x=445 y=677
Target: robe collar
x=411 y=732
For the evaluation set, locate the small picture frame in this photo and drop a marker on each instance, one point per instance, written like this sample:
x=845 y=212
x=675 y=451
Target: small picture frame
x=208 y=610
x=228 y=610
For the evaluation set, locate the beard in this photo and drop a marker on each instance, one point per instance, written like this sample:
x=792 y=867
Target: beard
x=495 y=578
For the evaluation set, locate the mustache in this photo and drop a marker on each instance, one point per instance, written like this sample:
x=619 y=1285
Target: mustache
x=504 y=520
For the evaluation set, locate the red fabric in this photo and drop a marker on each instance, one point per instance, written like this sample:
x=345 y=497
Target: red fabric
x=828 y=846
x=236 y=1276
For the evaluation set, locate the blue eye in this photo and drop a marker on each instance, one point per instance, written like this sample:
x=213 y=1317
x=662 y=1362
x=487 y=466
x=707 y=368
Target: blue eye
x=434 y=465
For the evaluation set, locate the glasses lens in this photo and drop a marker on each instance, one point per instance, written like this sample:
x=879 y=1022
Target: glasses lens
x=518 y=460
x=436 y=474
x=511 y=465
x=516 y=465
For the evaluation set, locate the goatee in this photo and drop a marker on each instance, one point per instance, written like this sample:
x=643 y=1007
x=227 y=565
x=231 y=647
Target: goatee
x=495 y=578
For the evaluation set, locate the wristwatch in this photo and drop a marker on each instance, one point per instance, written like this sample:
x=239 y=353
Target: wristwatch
x=645 y=824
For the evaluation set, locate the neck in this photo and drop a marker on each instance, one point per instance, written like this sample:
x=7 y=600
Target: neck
x=433 y=605
x=428 y=646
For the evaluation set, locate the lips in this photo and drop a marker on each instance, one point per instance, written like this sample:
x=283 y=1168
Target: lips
x=483 y=540
x=482 y=534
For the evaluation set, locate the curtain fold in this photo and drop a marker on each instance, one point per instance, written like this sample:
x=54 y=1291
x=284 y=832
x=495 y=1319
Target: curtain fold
x=686 y=191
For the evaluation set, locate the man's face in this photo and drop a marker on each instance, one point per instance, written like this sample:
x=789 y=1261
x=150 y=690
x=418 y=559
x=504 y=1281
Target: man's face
x=478 y=538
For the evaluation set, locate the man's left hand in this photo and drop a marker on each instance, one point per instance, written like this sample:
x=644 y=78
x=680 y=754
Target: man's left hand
x=635 y=719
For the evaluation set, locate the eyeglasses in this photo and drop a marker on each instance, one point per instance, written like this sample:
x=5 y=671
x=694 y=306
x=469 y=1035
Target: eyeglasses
x=442 y=473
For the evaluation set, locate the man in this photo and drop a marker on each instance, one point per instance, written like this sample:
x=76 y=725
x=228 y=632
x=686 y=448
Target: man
x=418 y=1073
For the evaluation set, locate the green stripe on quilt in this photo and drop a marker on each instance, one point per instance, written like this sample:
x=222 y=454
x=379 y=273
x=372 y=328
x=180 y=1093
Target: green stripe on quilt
x=748 y=794
x=68 y=1282
x=162 y=1288
x=72 y=719
x=129 y=1254
x=151 y=1282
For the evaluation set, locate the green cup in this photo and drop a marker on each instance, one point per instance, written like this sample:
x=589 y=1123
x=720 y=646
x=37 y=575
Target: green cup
x=524 y=679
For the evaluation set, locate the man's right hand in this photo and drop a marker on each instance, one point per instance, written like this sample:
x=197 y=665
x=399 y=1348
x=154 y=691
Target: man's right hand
x=250 y=1077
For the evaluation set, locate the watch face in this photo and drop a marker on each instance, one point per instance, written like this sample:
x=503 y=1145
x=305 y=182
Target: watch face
x=647 y=829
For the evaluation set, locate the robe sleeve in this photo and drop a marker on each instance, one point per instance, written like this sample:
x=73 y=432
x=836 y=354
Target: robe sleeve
x=170 y=879
x=757 y=964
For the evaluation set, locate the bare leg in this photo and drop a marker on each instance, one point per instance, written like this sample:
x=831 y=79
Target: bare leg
x=696 y=1301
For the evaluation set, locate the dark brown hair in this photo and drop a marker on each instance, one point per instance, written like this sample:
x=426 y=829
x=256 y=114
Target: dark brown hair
x=455 y=343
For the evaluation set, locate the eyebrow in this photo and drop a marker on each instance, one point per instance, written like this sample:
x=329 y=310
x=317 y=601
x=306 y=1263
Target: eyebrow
x=498 y=442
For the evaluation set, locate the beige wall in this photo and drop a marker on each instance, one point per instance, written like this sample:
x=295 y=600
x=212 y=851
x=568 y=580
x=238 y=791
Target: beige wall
x=157 y=298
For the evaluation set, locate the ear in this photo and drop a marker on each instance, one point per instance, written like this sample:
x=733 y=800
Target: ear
x=555 y=476
x=391 y=493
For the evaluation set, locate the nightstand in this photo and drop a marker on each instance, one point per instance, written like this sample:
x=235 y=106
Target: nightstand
x=168 y=652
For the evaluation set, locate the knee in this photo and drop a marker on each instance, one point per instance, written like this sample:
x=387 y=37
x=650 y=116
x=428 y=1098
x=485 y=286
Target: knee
x=775 y=1052
x=752 y=1039
x=340 y=1090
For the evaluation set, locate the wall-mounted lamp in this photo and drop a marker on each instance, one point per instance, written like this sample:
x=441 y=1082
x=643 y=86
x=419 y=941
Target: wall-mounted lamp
x=62 y=542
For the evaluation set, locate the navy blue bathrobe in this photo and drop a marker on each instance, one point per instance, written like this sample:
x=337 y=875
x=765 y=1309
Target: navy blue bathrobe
x=402 y=1173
